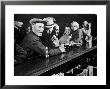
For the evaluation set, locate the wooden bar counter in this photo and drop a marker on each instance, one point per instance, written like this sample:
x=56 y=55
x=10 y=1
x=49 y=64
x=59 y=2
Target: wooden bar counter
x=59 y=63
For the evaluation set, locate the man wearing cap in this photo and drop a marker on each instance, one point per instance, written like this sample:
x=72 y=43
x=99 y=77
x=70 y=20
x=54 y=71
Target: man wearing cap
x=51 y=32
x=51 y=25
x=33 y=44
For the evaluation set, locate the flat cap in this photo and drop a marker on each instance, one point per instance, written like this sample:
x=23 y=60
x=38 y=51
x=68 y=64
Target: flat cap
x=36 y=20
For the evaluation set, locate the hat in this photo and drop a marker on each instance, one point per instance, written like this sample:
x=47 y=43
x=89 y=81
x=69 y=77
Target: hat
x=49 y=20
x=36 y=20
x=52 y=25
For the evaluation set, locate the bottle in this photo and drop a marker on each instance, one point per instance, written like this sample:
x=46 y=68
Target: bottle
x=47 y=55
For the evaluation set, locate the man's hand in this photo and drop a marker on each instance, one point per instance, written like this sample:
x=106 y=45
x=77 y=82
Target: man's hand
x=62 y=48
x=74 y=43
x=55 y=41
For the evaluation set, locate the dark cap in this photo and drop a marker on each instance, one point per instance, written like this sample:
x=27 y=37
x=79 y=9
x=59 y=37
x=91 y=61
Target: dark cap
x=36 y=20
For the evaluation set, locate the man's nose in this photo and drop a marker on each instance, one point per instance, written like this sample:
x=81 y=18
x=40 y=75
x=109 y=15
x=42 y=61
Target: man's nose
x=42 y=29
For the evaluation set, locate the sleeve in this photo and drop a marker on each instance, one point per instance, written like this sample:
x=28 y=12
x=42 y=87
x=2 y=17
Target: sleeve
x=54 y=51
x=79 y=36
x=20 y=53
x=56 y=26
x=63 y=39
x=38 y=47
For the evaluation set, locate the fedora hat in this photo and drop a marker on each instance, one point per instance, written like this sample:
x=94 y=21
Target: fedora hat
x=49 y=21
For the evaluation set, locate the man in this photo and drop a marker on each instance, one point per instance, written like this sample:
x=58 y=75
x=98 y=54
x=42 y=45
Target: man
x=33 y=44
x=19 y=32
x=87 y=34
x=76 y=34
x=51 y=32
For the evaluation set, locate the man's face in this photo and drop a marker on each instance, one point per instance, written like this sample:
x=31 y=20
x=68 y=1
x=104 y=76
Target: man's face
x=38 y=28
x=67 y=30
x=20 y=24
x=85 y=23
x=74 y=27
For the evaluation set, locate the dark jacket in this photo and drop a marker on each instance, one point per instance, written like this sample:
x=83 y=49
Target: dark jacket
x=76 y=35
x=19 y=34
x=47 y=38
x=33 y=45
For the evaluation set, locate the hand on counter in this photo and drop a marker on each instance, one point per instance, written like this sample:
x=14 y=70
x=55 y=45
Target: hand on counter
x=62 y=48
x=74 y=43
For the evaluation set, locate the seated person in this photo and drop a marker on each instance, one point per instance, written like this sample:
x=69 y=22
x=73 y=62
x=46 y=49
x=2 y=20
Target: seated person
x=20 y=54
x=51 y=25
x=76 y=34
x=55 y=41
x=65 y=39
x=33 y=44
x=50 y=33
x=87 y=34
x=19 y=31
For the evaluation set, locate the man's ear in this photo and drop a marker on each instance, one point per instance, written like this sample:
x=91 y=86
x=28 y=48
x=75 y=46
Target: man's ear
x=32 y=27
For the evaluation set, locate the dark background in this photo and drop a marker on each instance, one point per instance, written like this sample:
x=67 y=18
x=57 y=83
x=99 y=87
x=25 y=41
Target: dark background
x=61 y=19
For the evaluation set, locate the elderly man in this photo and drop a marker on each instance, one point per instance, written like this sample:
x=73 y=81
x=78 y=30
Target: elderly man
x=76 y=33
x=32 y=42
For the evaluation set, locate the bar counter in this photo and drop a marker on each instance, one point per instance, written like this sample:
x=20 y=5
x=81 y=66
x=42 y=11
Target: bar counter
x=44 y=66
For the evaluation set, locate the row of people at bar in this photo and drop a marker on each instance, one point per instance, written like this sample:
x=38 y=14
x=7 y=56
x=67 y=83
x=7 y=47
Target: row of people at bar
x=42 y=38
